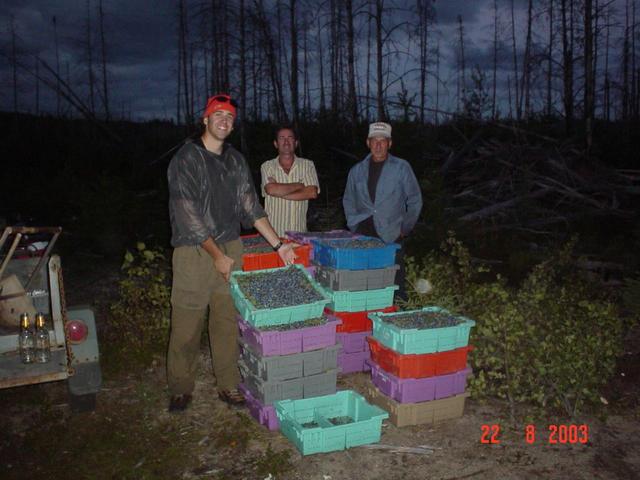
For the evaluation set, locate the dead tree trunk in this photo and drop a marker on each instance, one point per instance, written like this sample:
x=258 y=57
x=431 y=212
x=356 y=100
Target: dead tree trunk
x=14 y=66
x=588 y=73
x=379 y=95
x=550 y=59
x=526 y=67
x=351 y=65
x=55 y=39
x=103 y=50
x=294 y=61
x=515 y=60
x=462 y=87
x=323 y=101
x=625 y=65
x=495 y=60
x=567 y=68
x=90 y=60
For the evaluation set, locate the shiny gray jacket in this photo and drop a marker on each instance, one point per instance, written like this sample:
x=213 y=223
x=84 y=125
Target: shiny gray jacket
x=210 y=195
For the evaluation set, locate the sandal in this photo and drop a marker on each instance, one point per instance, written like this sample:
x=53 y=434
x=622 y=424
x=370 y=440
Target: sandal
x=231 y=396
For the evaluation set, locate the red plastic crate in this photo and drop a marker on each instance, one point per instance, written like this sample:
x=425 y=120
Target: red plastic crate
x=357 y=321
x=260 y=261
x=418 y=365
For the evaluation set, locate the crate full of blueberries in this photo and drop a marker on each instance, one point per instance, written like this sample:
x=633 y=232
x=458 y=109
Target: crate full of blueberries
x=429 y=330
x=277 y=296
x=354 y=253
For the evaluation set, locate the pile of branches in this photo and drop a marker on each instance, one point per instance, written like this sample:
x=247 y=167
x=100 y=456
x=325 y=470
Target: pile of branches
x=540 y=186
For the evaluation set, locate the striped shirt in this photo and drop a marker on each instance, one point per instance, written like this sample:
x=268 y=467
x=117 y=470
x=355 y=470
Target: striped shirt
x=288 y=214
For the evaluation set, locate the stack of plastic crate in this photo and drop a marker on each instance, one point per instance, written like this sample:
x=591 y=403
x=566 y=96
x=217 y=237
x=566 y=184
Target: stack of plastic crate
x=358 y=274
x=259 y=255
x=419 y=375
x=288 y=352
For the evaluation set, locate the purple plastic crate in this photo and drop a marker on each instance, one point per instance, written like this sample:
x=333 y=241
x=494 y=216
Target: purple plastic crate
x=354 y=362
x=264 y=414
x=275 y=342
x=353 y=342
x=414 y=390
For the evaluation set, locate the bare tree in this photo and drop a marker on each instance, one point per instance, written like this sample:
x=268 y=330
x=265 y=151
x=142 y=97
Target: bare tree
x=550 y=59
x=525 y=88
x=323 y=103
x=57 y=47
x=588 y=73
x=567 y=65
x=462 y=87
x=424 y=16
x=625 y=65
x=515 y=61
x=103 y=49
x=352 y=102
x=294 y=61
x=495 y=59
x=380 y=93
x=14 y=64
x=91 y=78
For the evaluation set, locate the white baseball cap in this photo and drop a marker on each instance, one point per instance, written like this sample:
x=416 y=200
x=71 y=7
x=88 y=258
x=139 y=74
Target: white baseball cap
x=379 y=129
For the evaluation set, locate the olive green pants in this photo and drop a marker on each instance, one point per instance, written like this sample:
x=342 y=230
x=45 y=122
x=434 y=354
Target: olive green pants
x=197 y=285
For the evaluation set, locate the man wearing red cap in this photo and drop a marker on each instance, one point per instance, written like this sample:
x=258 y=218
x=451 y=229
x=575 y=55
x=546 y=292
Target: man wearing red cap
x=211 y=194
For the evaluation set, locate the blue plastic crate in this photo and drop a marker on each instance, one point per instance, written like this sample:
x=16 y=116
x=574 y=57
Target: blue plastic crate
x=344 y=301
x=336 y=254
x=307 y=423
x=419 y=341
x=276 y=316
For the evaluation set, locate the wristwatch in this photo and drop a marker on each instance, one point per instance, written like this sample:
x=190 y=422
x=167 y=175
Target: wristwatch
x=277 y=247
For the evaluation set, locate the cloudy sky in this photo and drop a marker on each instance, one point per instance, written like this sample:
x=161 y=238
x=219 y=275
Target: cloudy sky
x=141 y=38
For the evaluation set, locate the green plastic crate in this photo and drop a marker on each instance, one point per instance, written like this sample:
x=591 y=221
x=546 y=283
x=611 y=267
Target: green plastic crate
x=276 y=316
x=419 y=341
x=320 y=435
x=343 y=301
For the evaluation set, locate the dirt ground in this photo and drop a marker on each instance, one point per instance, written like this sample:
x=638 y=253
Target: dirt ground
x=131 y=435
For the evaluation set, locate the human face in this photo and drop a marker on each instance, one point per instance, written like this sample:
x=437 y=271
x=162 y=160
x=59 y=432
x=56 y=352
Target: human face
x=285 y=142
x=219 y=124
x=379 y=147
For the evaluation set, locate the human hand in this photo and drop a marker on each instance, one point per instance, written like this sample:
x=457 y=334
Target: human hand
x=271 y=180
x=224 y=265
x=287 y=254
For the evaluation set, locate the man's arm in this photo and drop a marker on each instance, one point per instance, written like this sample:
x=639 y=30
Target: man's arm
x=266 y=230
x=309 y=192
x=414 y=202
x=282 y=189
x=348 y=201
x=222 y=262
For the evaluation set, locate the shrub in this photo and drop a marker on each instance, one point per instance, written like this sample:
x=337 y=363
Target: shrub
x=550 y=342
x=139 y=319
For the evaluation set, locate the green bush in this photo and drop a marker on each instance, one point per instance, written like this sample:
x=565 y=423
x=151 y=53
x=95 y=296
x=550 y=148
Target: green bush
x=139 y=319
x=550 y=343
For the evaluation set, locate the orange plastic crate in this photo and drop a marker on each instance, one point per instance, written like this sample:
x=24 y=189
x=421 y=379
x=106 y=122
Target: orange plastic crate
x=418 y=365
x=260 y=261
x=357 y=321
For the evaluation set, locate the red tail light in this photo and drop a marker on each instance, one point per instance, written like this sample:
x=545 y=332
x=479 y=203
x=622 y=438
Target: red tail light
x=77 y=331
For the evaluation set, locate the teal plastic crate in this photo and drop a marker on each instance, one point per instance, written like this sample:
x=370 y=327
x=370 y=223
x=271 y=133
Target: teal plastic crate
x=419 y=341
x=307 y=423
x=344 y=301
x=276 y=316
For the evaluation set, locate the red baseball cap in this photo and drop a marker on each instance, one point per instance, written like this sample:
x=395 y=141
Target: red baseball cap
x=221 y=101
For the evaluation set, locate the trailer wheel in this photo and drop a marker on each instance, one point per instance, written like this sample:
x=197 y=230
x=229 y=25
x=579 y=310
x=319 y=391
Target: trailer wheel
x=82 y=403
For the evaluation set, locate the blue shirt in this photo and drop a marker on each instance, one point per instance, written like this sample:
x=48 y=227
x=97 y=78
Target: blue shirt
x=398 y=198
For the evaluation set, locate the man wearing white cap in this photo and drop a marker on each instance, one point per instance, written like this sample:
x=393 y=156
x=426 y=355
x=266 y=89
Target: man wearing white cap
x=382 y=197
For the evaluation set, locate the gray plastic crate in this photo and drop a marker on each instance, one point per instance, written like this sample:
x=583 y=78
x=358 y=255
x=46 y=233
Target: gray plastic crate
x=293 y=389
x=285 y=367
x=356 y=280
